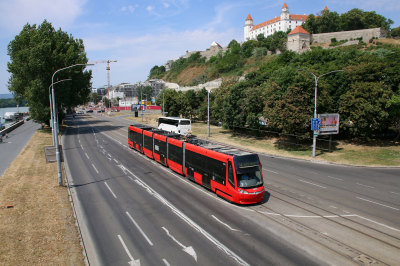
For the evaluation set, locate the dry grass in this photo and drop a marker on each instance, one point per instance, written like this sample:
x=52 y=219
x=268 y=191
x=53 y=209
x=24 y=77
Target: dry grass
x=40 y=228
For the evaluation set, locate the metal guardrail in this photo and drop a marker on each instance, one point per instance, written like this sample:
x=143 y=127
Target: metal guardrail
x=12 y=127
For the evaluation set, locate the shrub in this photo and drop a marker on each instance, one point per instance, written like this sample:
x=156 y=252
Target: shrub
x=333 y=40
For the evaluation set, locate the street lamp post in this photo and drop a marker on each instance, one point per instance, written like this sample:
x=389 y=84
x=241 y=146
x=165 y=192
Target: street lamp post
x=51 y=110
x=55 y=123
x=315 y=104
x=208 y=113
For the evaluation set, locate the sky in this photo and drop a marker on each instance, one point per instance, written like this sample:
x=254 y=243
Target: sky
x=141 y=34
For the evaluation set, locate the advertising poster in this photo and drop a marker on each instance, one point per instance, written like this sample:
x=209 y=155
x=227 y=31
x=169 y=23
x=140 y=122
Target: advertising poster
x=329 y=124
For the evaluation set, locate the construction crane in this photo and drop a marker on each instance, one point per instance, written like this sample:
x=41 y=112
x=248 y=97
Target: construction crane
x=108 y=68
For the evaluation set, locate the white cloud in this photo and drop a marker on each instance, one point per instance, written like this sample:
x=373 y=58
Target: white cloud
x=136 y=55
x=123 y=8
x=166 y=5
x=131 y=8
x=150 y=8
x=16 y=13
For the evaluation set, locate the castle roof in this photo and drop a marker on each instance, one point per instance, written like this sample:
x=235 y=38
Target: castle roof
x=285 y=5
x=298 y=29
x=271 y=21
x=326 y=8
x=216 y=44
x=249 y=17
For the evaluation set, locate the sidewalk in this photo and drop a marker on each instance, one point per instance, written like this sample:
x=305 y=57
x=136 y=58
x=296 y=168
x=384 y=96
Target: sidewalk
x=16 y=141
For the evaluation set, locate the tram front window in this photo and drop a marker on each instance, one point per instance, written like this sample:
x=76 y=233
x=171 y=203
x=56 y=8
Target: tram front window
x=248 y=171
x=249 y=178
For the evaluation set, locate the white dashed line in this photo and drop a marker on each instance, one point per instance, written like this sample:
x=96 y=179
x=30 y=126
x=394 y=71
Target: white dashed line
x=166 y=262
x=364 y=185
x=110 y=190
x=394 y=193
x=311 y=183
x=270 y=171
x=345 y=211
x=378 y=204
x=333 y=206
x=311 y=172
x=87 y=155
x=95 y=168
x=334 y=177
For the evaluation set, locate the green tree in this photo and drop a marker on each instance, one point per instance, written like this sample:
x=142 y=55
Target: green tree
x=395 y=32
x=364 y=108
x=145 y=92
x=311 y=24
x=35 y=54
x=96 y=98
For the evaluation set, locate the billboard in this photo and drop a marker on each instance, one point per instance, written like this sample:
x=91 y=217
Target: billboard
x=329 y=124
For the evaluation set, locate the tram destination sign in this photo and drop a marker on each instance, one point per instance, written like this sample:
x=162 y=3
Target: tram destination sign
x=329 y=124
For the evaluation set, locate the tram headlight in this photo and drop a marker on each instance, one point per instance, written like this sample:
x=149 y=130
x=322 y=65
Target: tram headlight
x=243 y=191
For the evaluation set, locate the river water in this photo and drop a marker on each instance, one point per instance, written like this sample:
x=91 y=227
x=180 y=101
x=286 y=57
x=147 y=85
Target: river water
x=12 y=109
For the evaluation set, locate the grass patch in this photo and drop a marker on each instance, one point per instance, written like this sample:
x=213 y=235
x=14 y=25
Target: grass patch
x=40 y=228
x=378 y=153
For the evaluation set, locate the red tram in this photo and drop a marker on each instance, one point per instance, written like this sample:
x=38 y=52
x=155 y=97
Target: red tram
x=231 y=173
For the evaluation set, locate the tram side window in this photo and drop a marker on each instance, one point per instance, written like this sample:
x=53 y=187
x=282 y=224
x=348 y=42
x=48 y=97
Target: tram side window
x=217 y=169
x=231 y=178
x=148 y=142
x=175 y=154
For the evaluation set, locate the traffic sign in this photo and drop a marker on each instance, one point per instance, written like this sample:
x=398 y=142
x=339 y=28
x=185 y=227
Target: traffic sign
x=315 y=123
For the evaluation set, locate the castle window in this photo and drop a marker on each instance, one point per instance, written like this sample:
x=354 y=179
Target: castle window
x=290 y=21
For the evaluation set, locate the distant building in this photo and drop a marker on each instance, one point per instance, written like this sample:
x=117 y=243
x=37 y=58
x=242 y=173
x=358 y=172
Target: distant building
x=282 y=23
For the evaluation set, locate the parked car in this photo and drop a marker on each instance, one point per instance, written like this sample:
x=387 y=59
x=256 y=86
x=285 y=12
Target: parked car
x=89 y=111
x=80 y=112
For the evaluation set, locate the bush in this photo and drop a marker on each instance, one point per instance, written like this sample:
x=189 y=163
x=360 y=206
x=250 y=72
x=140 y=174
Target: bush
x=333 y=40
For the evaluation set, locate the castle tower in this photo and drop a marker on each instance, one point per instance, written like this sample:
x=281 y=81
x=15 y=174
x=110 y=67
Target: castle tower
x=298 y=40
x=248 y=25
x=285 y=12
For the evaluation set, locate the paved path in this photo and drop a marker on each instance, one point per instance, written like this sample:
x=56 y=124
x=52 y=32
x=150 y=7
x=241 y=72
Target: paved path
x=16 y=141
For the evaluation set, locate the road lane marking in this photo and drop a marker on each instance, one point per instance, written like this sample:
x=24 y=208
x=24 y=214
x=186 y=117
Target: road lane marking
x=378 y=203
x=345 y=211
x=190 y=222
x=334 y=177
x=95 y=168
x=132 y=262
x=166 y=262
x=224 y=223
x=87 y=156
x=384 y=225
x=110 y=190
x=82 y=147
x=311 y=172
x=189 y=250
x=270 y=171
x=311 y=183
x=364 y=185
x=141 y=231
x=116 y=161
x=333 y=207
x=109 y=154
x=394 y=193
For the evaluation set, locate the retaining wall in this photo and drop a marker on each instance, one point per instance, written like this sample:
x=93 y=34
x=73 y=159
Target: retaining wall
x=343 y=35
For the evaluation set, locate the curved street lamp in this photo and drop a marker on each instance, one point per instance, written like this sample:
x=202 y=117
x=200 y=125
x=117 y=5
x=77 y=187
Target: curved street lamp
x=51 y=107
x=315 y=104
x=55 y=123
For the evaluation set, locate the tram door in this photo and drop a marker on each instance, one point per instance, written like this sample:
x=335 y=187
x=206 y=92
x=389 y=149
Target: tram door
x=189 y=157
x=207 y=171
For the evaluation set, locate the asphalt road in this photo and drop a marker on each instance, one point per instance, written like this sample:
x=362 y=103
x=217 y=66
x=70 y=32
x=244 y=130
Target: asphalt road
x=131 y=208
x=16 y=141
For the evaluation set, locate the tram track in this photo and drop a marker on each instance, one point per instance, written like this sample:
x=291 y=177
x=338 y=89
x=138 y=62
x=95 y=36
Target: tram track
x=321 y=238
x=317 y=236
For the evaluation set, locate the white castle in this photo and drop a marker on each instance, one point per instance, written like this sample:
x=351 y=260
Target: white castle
x=282 y=23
